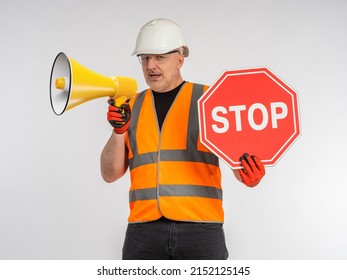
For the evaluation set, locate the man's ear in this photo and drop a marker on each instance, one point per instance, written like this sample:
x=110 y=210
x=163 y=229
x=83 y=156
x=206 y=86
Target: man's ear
x=180 y=61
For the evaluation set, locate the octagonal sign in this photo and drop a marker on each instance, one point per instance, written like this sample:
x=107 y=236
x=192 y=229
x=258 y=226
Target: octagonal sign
x=249 y=110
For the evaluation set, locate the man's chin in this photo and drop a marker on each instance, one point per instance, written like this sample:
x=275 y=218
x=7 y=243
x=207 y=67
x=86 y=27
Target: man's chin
x=154 y=85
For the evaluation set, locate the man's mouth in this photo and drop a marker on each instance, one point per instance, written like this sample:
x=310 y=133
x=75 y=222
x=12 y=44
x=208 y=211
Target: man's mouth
x=154 y=75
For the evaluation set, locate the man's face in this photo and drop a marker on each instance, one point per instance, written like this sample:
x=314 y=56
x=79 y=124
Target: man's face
x=162 y=72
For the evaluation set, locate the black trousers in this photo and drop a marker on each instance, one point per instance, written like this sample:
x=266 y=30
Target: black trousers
x=170 y=240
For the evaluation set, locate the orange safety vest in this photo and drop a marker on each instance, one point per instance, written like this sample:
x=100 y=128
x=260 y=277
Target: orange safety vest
x=172 y=173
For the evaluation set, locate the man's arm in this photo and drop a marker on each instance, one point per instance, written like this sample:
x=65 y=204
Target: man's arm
x=114 y=158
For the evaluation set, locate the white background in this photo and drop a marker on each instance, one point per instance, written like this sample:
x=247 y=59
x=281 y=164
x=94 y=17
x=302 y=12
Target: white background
x=53 y=202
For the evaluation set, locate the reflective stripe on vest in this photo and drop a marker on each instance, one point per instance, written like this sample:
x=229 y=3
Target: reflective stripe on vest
x=189 y=200
x=175 y=190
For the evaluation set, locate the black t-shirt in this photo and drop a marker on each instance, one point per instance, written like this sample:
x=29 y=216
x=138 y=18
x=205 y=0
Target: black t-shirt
x=163 y=102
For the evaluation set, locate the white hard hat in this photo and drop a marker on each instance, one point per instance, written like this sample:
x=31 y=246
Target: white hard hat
x=160 y=36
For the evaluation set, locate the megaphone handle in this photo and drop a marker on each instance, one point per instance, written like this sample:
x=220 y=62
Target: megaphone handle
x=118 y=101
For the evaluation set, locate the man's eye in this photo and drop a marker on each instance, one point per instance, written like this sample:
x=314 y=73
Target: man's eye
x=161 y=57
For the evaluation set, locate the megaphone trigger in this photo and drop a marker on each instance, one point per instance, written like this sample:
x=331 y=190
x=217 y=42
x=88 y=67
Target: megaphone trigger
x=119 y=101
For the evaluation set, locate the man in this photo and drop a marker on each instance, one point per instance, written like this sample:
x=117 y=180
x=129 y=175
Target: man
x=175 y=195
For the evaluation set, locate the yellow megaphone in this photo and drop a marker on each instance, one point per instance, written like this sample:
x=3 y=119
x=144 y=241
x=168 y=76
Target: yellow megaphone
x=72 y=84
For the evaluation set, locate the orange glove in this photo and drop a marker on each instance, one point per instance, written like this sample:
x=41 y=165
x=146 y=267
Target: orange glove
x=119 y=117
x=253 y=170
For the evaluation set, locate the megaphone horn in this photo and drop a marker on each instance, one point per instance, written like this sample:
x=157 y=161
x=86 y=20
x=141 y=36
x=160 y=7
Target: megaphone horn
x=72 y=84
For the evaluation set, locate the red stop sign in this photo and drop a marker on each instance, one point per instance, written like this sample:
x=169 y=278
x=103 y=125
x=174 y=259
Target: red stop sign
x=249 y=110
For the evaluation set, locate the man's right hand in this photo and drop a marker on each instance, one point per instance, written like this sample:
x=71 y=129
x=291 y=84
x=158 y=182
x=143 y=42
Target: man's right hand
x=119 y=117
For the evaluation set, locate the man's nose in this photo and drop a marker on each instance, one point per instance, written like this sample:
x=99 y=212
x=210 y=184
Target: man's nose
x=151 y=63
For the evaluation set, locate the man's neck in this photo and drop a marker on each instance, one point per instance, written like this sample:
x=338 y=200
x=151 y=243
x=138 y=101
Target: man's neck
x=163 y=102
x=175 y=89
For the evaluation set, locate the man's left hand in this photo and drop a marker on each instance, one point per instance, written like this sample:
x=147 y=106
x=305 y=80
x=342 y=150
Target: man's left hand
x=253 y=170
